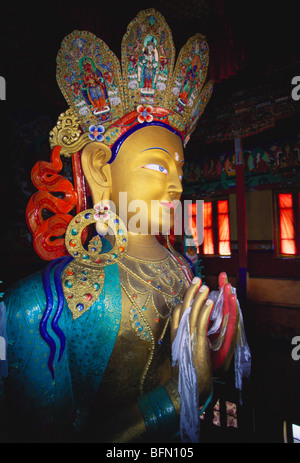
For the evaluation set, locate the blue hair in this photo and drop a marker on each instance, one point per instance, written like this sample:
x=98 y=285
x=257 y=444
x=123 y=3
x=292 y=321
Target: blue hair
x=61 y=262
x=117 y=145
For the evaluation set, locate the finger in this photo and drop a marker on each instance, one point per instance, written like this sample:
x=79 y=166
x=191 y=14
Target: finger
x=223 y=280
x=203 y=319
x=199 y=300
x=190 y=295
x=175 y=321
x=221 y=358
x=201 y=355
x=234 y=308
x=226 y=296
x=232 y=302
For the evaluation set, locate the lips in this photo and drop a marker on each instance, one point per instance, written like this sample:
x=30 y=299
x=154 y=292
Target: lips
x=168 y=204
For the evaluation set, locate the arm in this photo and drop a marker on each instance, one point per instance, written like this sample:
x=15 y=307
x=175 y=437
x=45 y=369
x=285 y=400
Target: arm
x=3 y=431
x=153 y=418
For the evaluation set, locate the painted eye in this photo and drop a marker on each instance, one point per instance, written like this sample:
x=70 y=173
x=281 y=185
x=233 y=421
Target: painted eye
x=156 y=167
x=180 y=177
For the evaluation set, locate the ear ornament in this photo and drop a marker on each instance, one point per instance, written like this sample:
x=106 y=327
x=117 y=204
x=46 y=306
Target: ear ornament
x=83 y=278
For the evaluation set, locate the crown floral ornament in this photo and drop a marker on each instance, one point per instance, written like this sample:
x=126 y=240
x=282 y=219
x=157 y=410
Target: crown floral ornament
x=108 y=99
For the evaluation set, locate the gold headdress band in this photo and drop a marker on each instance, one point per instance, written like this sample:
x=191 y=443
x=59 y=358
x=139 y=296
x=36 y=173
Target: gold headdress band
x=105 y=102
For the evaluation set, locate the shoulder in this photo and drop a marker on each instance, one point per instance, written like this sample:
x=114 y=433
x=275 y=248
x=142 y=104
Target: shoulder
x=26 y=299
x=24 y=304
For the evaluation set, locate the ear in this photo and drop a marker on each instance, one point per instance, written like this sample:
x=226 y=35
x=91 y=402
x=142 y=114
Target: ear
x=97 y=172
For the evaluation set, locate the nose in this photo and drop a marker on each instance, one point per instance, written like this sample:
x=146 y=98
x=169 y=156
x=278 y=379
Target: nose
x=175 y=186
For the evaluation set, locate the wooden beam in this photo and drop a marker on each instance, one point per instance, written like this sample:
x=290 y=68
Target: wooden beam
x=241 y=218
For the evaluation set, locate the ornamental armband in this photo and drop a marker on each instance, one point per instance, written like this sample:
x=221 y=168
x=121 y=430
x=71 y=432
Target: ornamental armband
x=159 y=414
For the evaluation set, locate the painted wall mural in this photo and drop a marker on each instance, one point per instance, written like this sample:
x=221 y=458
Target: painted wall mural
x=276 y=163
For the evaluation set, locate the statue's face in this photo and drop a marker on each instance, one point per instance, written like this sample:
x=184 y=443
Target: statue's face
x=148 y=168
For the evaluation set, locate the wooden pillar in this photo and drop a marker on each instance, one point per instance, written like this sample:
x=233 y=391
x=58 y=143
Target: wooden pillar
x=241 y=218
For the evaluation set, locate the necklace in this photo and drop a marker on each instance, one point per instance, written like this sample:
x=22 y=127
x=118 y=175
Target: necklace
x=151 y=286
x=143 y=331
x=145 y=261
x=161 y=276
x=158 y=281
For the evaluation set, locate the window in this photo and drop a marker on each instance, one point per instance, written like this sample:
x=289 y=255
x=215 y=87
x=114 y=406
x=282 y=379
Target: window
x=223 y=228
x=291 y=433
x=222 y=414
x=288 y=230
x=192 y=223
x=296 y=433
x=208 y=237
x=216 y=239
x=230 y=414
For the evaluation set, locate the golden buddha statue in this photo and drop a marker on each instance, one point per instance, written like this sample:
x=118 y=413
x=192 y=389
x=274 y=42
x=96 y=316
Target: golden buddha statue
x=111 y=310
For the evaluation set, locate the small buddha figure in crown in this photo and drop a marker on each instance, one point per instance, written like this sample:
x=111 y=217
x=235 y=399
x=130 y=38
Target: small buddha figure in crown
x=95 y=86
x=147 y=67
x=100 y=342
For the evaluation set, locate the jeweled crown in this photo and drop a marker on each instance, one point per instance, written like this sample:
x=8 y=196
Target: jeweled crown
x=107 y=100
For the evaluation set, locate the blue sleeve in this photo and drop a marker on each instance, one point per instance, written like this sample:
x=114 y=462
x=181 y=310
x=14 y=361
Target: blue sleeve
x=31 y=394
x=3 y=341
x=3 y=370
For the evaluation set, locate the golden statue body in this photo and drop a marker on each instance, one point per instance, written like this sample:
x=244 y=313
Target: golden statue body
x=120 y=300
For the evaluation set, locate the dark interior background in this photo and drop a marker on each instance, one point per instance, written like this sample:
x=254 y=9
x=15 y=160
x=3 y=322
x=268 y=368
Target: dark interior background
x=249 y=42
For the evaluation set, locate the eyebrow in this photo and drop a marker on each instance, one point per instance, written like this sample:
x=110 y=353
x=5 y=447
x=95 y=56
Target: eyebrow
x=156 y=148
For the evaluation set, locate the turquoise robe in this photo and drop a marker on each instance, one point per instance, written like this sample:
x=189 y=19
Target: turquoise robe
x=34 y=400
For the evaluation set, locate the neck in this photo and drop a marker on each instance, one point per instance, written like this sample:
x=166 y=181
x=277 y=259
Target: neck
x=145 y=247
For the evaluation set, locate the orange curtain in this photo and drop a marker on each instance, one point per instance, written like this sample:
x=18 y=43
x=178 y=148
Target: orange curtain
x=208 y=238
x=223 y=228
x=286 y=224
x=192 y=208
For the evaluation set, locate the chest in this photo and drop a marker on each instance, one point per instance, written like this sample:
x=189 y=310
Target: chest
x=150 y=291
